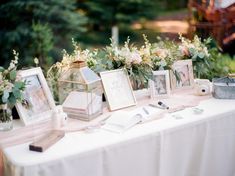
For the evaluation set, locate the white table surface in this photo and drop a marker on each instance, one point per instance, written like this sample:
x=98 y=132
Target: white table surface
x=194 y=145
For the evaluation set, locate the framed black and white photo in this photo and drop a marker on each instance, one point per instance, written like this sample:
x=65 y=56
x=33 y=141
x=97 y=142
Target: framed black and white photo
x=38 y=102
x=160 y=84
x=182 y=75
x=117 y=88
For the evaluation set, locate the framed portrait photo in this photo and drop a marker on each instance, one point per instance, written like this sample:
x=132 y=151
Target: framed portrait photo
x=182 y=75
x=38 y=102
x=160 y=85
x=117 y=88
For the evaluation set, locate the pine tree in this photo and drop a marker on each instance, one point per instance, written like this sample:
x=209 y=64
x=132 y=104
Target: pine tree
x=27 y=26
x=111 y=13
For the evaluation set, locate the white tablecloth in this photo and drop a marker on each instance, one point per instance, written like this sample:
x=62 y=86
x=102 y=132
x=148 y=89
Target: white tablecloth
x=194 y=145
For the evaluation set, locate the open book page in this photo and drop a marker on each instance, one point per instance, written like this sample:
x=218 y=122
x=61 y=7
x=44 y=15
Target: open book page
x=122 y=120
x=147 y=112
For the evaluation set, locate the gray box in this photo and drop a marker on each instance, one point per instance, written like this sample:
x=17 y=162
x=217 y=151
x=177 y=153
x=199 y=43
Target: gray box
x=224 y=88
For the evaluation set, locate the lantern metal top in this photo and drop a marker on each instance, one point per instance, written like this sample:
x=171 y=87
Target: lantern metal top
x=79 y=73
x=78 y=64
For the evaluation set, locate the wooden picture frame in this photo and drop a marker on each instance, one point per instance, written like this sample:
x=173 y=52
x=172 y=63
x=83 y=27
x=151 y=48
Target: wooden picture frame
x=117 y=88
x=182 y=75
x=160 y=85
x=38 y=103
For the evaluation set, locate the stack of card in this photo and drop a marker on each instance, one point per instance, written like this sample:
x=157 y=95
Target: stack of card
x=82 y=105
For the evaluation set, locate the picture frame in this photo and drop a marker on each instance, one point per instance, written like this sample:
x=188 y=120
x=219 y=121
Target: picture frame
x=182 y=75
x=160 y=84
x=116 y=83
x=38 y=103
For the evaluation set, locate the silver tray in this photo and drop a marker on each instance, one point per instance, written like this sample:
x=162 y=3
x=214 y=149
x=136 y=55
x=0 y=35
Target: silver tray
x=224 y=88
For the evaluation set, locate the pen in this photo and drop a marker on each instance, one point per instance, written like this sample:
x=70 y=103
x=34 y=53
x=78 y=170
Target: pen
x=160 y=105
x=145 y=110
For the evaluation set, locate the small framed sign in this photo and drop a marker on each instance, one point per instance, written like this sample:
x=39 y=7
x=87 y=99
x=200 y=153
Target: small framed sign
x=38 y=102
x=160 y=85
x=117 y=88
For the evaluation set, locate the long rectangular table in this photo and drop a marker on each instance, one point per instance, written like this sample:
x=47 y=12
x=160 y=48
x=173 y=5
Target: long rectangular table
x=179 y=144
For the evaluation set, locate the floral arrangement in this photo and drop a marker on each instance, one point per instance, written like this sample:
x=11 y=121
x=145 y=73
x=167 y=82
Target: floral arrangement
x=11 y=88
x=135 y=60
x=138 y=61
x=163 y=54
x=55 y=71
x=78 y=54
x=196 y=50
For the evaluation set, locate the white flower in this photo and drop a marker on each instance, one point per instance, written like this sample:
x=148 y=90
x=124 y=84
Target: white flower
x=12 y=66
x=163 y=63
x=86 y=52
x=147 y=52
x=191 y=45
x=36 y=61
x=116 y=51
x=1 y=78
x=9 y=86
x=184 y=50
x=128 y=61
x=135 y=57
x=16 y=56
x=15 y=62
x=14 y=52
x=206 y=51
x=125 y=53
x=162 y=53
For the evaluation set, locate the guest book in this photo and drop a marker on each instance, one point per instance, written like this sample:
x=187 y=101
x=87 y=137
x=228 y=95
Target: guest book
x=121 y=120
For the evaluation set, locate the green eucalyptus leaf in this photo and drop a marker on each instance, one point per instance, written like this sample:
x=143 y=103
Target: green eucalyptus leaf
x=109 y=64
x=191 y=50
x=13 y=75
x=207 y=63
x=19 y=85
x=118 y=64
x=201 y=55
x=1 y=69
x=194 y=58
x=17 y=93
x=12 y=99
x=5 y=96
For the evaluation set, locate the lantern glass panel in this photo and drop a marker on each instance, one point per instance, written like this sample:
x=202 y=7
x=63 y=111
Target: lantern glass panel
x=80 y=93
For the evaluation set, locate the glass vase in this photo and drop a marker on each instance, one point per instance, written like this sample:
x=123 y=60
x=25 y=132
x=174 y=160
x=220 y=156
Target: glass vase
x=5 y=118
